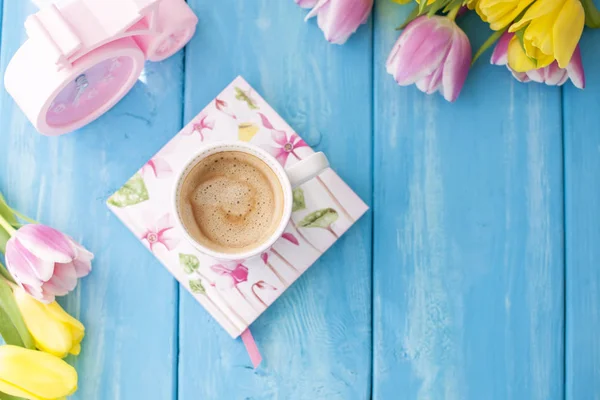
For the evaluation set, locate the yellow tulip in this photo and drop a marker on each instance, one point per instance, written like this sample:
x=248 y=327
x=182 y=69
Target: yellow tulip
x=53 y=330
x=499 y=13
x=35 y=375
x=552 y=30
x=517 y=59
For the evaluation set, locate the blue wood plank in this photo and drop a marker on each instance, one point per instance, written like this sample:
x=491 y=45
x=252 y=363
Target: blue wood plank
x=582 y=166
x=316 y=339
x=128 y=303
x=468 y=246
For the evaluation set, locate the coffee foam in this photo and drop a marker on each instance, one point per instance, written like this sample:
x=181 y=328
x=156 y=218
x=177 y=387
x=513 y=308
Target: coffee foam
x=231 y=202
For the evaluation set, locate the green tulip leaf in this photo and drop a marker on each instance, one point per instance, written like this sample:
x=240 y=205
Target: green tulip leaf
x=299 y=202
x=189 y=262
x=8 y=331
x=4 y=236
x=4 y=396
x=132 y=193
x=245 y=97
x=319 y=219
x=5 y=274
x=197 y=287
x=7 y=213
x=12 y=327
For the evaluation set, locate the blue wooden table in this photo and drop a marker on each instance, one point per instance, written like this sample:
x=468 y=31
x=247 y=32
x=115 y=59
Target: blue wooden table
x=475 y=275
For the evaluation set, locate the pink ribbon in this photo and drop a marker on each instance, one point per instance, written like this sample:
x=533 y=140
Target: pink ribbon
x=251 y=348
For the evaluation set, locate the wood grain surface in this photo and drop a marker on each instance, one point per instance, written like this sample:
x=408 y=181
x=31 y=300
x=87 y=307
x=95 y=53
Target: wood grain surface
x=473 y=277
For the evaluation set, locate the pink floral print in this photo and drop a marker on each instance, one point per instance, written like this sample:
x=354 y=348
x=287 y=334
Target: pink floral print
x=291 y=238
x=286 y=145
x=157 y=166
x=202 y=124
x=262 y=285
x=222 y=106
x=161 y=233
x=231 y=274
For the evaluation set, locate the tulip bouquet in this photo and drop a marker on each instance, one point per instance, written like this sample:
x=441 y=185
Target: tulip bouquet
x=41 y=263
x=537 y=40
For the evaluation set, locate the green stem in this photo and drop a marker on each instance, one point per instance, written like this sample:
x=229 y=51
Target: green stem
x=488 y=43
x=453 y=12
x=7 y=227
x=24 y=217
x=592 y=15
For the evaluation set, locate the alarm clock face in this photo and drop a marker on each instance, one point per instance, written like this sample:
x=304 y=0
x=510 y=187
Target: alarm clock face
x=89 y=91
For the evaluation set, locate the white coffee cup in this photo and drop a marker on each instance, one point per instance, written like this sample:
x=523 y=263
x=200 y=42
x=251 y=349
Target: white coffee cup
x=289 y=178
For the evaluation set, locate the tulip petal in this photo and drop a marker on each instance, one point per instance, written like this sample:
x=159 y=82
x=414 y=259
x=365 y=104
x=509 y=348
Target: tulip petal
x=49 y=334
x=82 y=268
x=555 y=76
x=431 y=83
x=339 y=19
x=424 y=52
x=46 y=243
x=517 y=59
x=456 y=66
x=575 y=69
x=500 y=54
x=501 y=13
x=64 y=279
x=537 y=10
x=520 y=76
x=25 y=266
x=59 y=314
x=567 y=31
x=34 y=374
x=83 y=262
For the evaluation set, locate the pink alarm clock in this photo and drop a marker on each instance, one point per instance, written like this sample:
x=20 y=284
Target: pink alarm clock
x=83 y=56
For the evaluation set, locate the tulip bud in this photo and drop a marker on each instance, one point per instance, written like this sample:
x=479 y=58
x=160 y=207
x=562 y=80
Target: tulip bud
x=339 y=19
x=53 y=330
x=45 y=262
x=433 y=53
x=35 y=375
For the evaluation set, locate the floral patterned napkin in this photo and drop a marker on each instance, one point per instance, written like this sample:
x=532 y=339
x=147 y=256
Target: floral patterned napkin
x=235 y=294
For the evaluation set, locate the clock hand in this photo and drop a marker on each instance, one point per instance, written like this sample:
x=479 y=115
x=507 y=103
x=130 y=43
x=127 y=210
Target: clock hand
x=82 y=84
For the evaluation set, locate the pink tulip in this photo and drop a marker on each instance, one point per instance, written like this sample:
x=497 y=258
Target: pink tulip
x=45 y=262
x=551 y=75
x=338 y=19
x=433 y=53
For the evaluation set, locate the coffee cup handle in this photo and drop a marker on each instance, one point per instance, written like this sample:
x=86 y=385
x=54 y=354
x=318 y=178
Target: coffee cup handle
x=307 y=169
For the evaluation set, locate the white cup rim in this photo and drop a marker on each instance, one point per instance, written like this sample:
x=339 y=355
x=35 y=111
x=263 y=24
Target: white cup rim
x=248 y=148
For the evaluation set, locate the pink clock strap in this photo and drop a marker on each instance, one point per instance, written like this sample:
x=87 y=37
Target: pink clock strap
x=251 y=348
